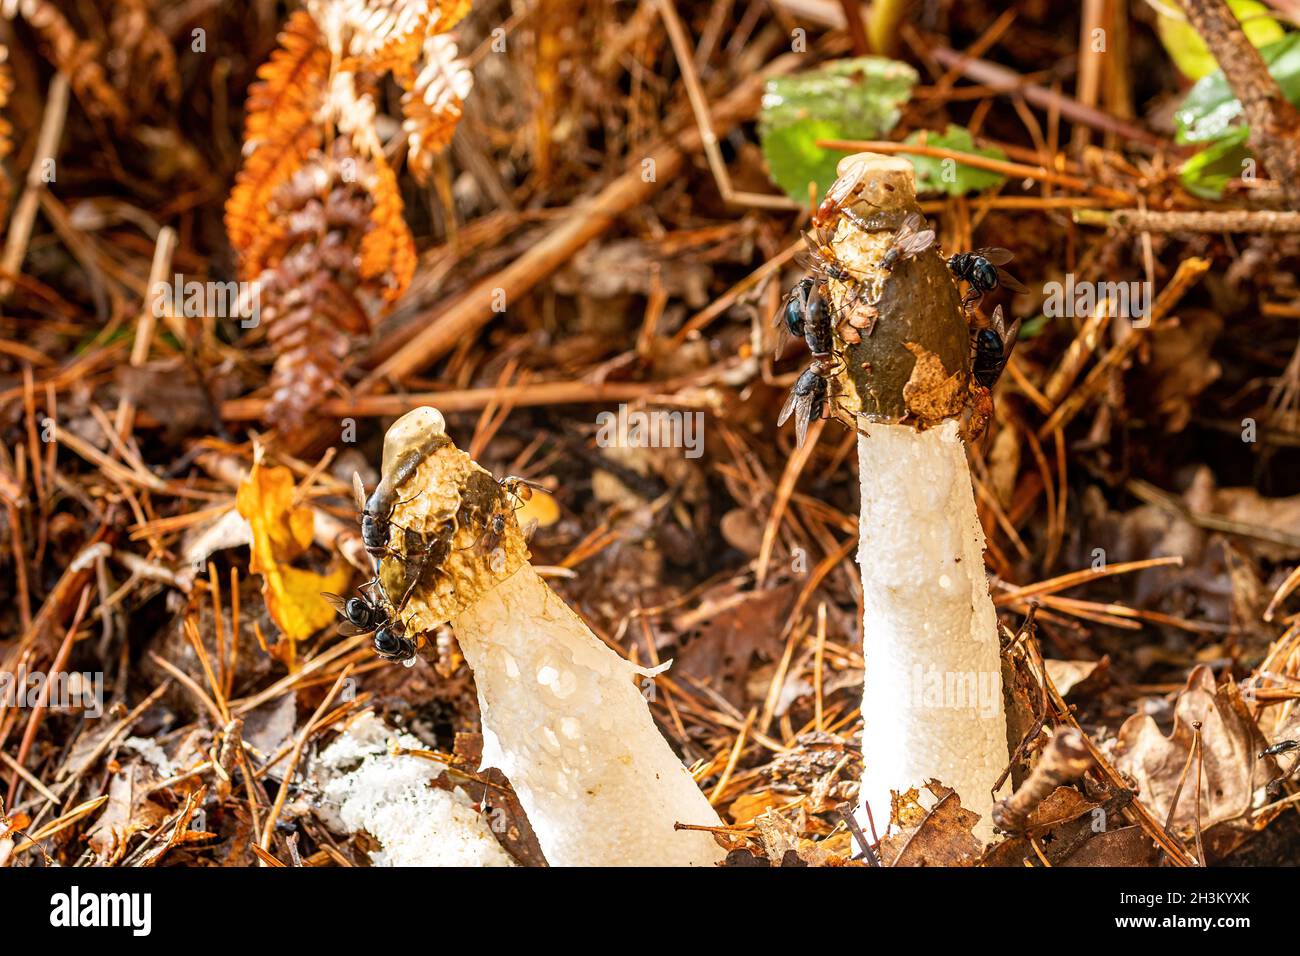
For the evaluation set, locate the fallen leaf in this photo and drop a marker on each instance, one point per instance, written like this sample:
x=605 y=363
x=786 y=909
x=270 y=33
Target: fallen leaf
x=942 y=837
x=722 y=635
x=1233 y=779
x=1127 y=846
x=1067 y=675
x=282 y=531
x=1060 y=806
x=127 y=812
x=784 y=845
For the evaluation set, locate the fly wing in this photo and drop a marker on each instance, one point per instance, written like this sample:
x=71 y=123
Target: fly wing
x=914 y=222
x=814 y=245
x=788 y=407
x=803 y=416
x=1009 y=341
x=1010 y=281
x=348 y=629
x=916 y=243
x=841 y=188
x=996 y=255
x=358 y=491
x=335 y=601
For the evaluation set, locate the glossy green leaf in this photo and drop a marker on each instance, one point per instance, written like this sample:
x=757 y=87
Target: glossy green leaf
x=846 y=99
x=1211 y=110
x=1207 y=173
x=950 y=175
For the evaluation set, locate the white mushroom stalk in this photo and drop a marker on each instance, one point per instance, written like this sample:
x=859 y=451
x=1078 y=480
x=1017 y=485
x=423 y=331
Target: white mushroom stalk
x=564 y=716
x=932 y=704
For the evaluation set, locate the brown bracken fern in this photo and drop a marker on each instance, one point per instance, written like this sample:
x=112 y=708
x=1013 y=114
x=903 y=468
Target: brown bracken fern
x=316 y=215
x=432 y=105
x=6 y=130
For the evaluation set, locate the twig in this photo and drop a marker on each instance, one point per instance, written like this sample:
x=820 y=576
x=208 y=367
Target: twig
x=1189 y=271
x=1009 y=82
x=587 y=220
x=1233 y=220
x=268 y=828
x=47 y=144
x=1009 y=169
x=1211 y=522
x=162 y=263
x=700 y=107
x=530 y=395
x=1274 y=122
x=1063 y=761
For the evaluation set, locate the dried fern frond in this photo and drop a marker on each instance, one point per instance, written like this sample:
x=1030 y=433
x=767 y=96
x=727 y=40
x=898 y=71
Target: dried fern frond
x=324 y=233
x=73 y=57
x=281 y=129
x=434 y=104
x=6 y=129
x=6 y=88
x=388 y=250
x=315 y=300
x=383 y=36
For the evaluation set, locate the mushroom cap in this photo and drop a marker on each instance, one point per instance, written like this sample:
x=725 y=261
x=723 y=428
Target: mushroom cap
x=440 y=528
x=911 y=362
x=411 y=430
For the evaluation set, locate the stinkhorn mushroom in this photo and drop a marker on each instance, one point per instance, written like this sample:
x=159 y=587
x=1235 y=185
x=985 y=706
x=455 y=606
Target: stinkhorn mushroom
x=564 y=716
x=932 y=698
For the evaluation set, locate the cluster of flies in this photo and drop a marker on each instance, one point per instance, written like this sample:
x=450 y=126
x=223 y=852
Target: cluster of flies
x=807 y=312
x=371 y=610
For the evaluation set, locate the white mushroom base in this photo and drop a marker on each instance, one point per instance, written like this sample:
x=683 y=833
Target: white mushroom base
x=390 y=797
x=566 y=719
x=932 y=697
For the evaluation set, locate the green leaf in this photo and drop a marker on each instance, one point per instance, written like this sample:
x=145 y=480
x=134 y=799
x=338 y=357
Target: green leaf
x=1189 y=52
x=1211 y=109
x=1208 y=172
x=949 y=175
x=845 y=99
x=1032 y=328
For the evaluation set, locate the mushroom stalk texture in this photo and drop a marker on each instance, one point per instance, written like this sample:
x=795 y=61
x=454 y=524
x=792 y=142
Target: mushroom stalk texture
x=932 y=692
x=564 y=716
x=932 y=704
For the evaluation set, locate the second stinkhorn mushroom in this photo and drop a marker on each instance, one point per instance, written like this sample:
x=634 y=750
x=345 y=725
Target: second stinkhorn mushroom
x=932 y=698
x=564 y=717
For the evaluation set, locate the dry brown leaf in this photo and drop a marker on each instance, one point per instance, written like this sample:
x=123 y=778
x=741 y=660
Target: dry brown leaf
x=726 y=630
x=1233 y=779
x=941 y=837
x=1062 y=805
x=1127 y=846
x=783 y=844
x=127 y=812
x=1066 y=675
